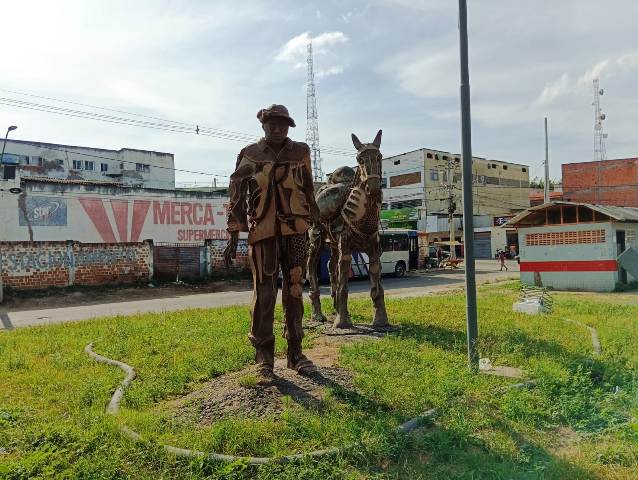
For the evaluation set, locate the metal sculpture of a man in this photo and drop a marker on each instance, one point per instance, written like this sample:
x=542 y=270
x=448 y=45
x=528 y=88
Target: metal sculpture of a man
x=272 y=198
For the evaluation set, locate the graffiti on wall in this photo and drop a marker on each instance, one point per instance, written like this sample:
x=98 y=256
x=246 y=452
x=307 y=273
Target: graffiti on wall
x=43 y=212
x=23 y=261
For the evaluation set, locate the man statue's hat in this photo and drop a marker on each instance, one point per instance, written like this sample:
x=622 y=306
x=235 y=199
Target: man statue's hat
x=275 y=111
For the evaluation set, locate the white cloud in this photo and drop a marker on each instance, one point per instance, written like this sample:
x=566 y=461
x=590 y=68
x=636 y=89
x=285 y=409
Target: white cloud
x=337 y=70
x=295 y=49
x=606 y=68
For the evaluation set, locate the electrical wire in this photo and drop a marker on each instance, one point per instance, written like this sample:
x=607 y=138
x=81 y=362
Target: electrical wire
x=169 y=125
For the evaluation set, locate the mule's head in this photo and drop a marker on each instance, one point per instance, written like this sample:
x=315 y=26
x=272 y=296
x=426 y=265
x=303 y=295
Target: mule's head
x=369 y=160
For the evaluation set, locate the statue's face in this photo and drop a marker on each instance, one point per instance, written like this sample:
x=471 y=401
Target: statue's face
x=276 y=129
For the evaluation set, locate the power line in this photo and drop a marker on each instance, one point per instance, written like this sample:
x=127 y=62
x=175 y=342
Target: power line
x=175 y=126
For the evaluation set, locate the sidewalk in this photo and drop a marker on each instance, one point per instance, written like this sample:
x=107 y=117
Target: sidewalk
x=417 y=284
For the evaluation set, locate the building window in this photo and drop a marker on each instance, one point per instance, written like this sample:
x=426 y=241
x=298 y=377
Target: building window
x=436 y=156
x=489 y=166
x=429 y=155
x=77 y=164
x=504 y=167
x=384 y=182
x=524 y=170
x=142 y=167
x=60 y=162
x=396 y=162
x=104 y=167
x=457 y=160
x=444 y=157
x=493 y=165
x=39 y=161
x=434 y=175
x=89 y=165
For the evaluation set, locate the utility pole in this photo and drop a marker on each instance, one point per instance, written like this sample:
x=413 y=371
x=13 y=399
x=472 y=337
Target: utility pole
x=468 y=207
x=451 y=206
x=546 y=189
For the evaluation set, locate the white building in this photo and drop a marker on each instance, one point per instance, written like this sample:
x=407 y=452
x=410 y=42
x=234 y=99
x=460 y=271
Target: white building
x=418 y=179
x=126 y=167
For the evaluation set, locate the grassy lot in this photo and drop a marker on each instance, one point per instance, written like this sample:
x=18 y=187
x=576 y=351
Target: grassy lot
x=579 y=422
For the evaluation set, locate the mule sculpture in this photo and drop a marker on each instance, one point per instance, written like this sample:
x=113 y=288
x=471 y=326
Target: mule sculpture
x=350 y=207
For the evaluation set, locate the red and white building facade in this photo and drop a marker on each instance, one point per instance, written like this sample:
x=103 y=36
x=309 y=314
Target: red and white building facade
x=575 y=246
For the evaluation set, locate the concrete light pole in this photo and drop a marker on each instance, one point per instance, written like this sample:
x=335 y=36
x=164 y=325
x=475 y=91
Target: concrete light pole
x=10 y=129
x=468 y=207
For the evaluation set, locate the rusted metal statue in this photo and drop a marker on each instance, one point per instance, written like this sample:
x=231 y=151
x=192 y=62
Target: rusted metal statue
x=350 y=207
x=272 y=198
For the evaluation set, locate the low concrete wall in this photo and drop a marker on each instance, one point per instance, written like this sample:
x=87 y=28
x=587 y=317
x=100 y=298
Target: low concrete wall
x=33 y=265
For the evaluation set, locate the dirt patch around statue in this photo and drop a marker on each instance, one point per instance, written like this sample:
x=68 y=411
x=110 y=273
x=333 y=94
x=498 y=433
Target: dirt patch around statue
x=239 y=395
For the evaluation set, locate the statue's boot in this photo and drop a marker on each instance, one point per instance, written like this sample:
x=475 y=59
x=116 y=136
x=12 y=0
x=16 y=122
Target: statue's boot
x=264 y=358
x=298 y=361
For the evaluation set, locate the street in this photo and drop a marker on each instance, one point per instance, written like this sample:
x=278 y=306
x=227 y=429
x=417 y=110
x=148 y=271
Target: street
x=413 y=284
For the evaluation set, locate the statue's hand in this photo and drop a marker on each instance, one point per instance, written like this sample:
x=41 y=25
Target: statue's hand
x=230 y=251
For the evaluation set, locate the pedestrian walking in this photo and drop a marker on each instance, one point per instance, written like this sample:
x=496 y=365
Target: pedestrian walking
x=501 y=257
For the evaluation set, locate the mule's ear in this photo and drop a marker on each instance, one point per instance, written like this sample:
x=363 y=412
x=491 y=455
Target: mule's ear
x=356 y=142
x=377 y=140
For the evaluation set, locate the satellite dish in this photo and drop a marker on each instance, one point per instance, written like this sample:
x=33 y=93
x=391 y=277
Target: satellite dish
x=15 y=190
x=603 y=116
x=601 y=91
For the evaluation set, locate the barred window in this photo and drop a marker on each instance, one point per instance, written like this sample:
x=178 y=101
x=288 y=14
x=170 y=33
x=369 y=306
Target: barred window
x=631 y=238
x=564 y=238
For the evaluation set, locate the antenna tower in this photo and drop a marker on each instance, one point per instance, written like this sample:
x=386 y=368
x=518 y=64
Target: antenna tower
x=600 y=151
x=312 y=123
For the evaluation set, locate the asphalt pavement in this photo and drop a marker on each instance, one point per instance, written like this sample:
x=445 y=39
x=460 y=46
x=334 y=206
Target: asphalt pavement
x=414 y=284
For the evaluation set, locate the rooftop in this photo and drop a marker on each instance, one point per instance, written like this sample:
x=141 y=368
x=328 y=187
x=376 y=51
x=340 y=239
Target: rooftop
x=619 y=214
x=63 y=146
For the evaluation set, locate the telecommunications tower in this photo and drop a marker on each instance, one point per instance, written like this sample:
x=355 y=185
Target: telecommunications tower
x=600 y=151
x=312 y=123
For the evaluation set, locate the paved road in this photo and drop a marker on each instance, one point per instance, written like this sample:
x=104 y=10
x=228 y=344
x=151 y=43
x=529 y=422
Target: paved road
x=413 y=284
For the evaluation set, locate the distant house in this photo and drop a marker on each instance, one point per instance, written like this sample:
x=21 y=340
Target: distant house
x=577 y=246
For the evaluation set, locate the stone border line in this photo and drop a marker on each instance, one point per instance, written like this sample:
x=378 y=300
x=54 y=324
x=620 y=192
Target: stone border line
x=595 y=339
x=113 y=408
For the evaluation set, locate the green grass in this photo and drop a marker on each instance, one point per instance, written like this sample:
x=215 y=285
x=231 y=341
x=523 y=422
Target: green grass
x=578 y=422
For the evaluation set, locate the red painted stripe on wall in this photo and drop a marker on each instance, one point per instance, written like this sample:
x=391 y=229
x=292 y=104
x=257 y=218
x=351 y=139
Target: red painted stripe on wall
x=140 y=209
x=571 y=266
x=120 y=212
x=94 y=208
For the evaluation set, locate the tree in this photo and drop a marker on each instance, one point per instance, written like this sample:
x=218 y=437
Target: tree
x=539 y=183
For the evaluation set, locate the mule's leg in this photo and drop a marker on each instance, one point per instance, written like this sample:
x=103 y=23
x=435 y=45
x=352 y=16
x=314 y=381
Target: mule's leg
x=342 y=319
x=333 y=267
x=313 y=262
x=380 y=316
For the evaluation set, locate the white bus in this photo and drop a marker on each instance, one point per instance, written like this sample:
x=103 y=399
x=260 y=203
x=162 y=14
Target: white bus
x=400 y=253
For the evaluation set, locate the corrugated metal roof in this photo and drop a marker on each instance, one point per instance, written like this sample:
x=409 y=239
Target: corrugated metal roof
x=620 y=214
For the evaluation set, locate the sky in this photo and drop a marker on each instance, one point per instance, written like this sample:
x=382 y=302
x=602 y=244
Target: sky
x=379 y=64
